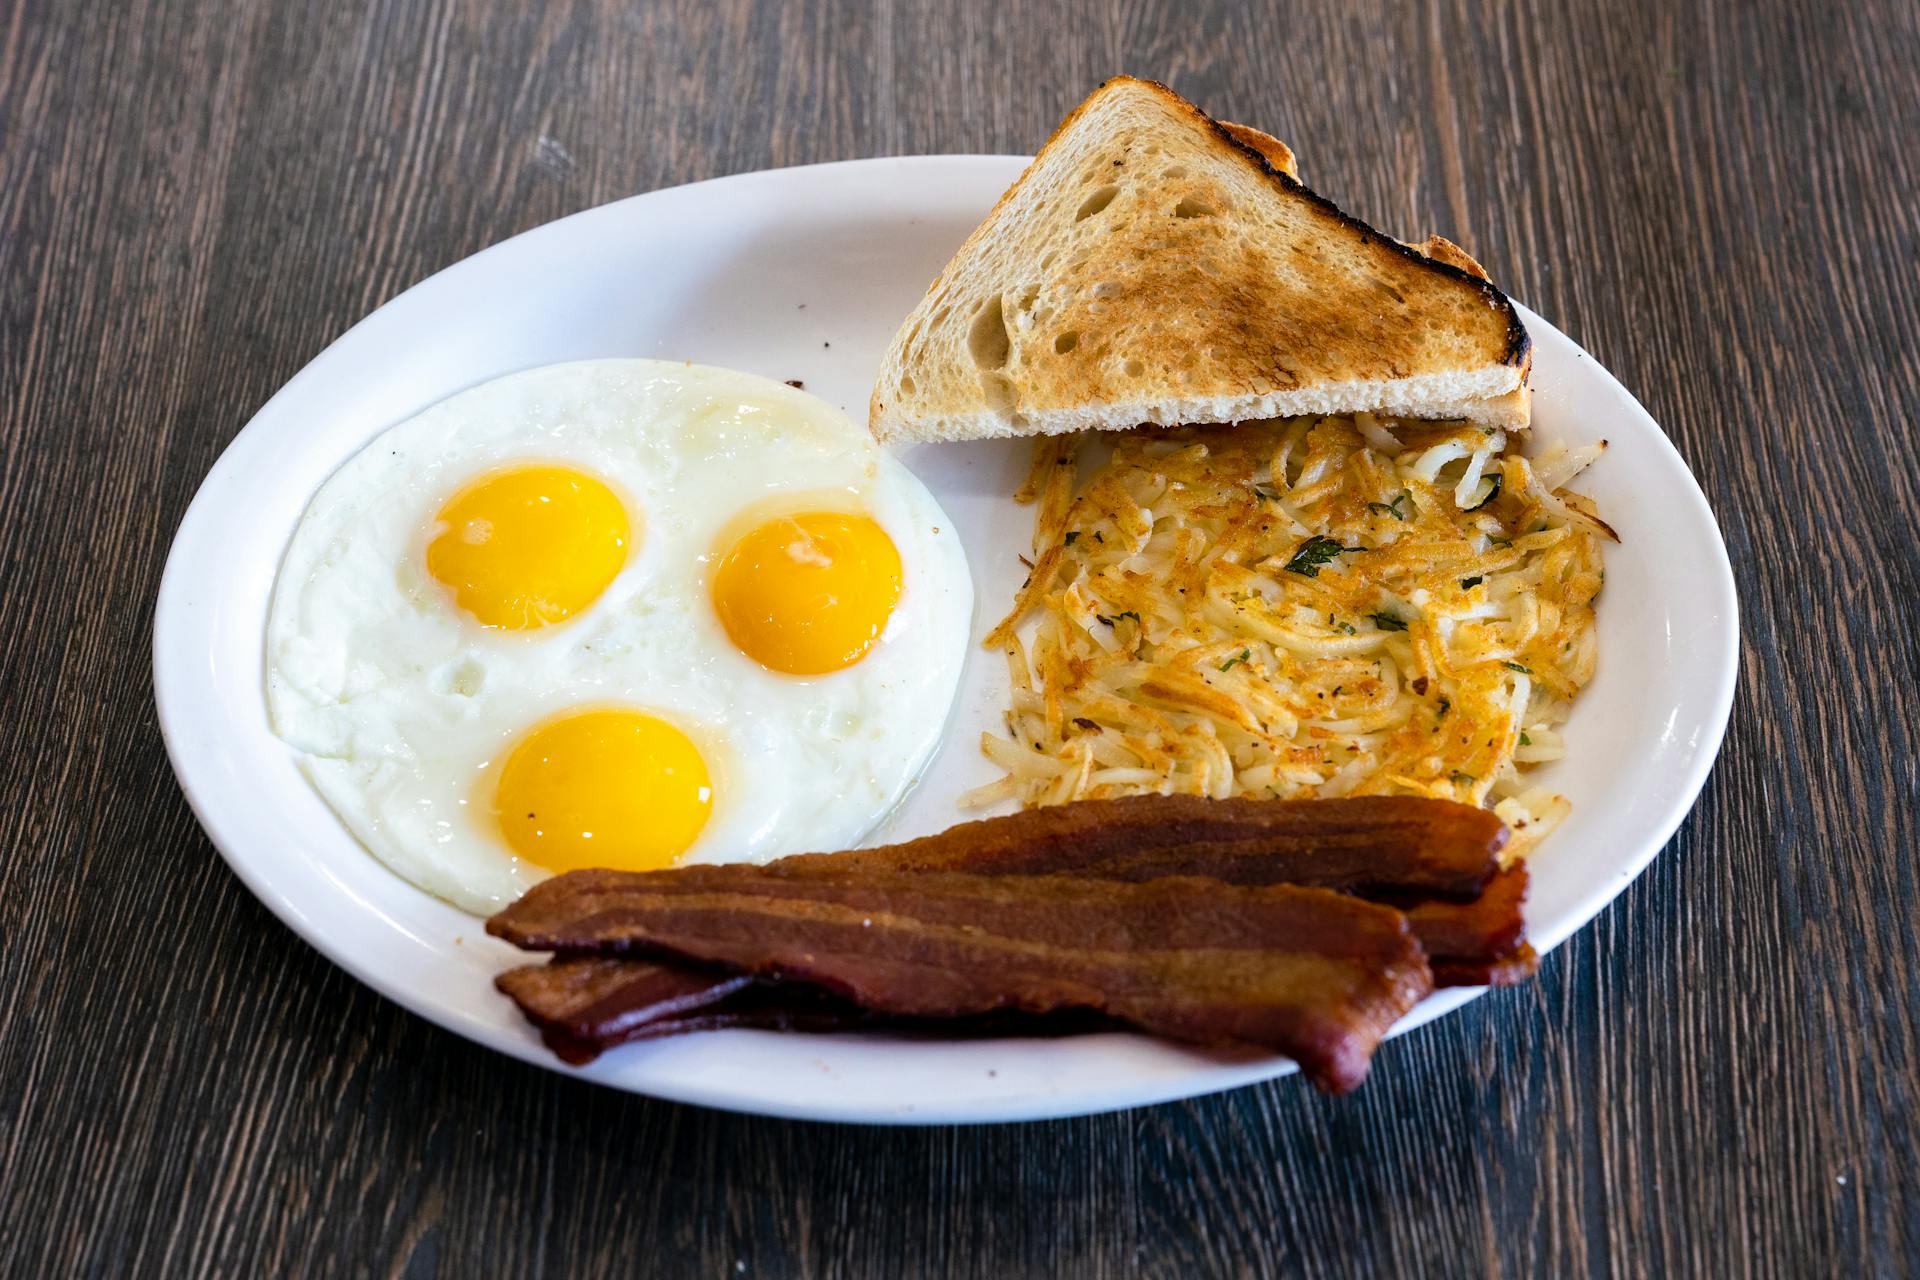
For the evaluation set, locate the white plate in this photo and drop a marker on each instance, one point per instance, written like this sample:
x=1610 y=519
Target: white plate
x=804 y=273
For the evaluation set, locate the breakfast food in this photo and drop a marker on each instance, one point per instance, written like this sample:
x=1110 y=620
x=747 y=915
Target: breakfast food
x=585 y=1005
x=1285 y=541
x=1482 y=943
x=618 y=613
x=1437 y=862
x=1317 y=975
x=1299 y=616
x=1315 y=606
x=1395 y=848
x=1152 y=267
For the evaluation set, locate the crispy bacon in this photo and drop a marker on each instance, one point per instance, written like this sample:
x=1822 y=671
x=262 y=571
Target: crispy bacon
x=1390 y=847
x=1409 y=852
x=604 y=1002
x=1502 y=970
x=592 y=1004
x=1317 y=975
x=585 y=1005
x=1478 y=943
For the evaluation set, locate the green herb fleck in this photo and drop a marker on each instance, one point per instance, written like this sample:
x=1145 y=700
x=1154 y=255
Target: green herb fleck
x=1116 y=617
x=1073 y=536
x=1388 y=622
x=1514 y=666
x=1468 y=584
x=1313 y=553
x=1525 y=741
x=1446 y=705
x=1493 y=491
x=1395 y=508
x=1345 y=628
x=1235 y=661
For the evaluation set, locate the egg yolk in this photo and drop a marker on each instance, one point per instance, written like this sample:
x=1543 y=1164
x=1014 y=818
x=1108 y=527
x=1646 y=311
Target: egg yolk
x=807 y=594
x=604 y=788
x=529 y=546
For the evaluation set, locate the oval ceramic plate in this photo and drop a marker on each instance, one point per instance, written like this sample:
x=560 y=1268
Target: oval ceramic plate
x=804 y=274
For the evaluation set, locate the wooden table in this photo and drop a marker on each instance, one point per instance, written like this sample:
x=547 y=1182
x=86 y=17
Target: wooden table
x=1716 y=1077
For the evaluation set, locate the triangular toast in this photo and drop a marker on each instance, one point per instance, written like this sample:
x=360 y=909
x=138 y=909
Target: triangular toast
x=1155 y=266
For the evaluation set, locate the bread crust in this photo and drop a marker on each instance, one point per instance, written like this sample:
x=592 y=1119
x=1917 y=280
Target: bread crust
x=1271 y=149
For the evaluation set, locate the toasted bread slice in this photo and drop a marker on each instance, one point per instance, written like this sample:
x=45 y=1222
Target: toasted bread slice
x=1512 y=409
x=1154 y=266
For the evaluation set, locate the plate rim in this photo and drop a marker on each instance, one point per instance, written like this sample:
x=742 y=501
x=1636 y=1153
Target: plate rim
x=171 y=605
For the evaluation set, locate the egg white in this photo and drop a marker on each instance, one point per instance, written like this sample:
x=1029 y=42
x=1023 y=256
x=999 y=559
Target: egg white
x=403 y=708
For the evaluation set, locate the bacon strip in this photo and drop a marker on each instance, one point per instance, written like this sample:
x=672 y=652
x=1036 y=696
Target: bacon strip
x=1316 y=975
x=585 y=1005
x=613 y=1001
x=1400 y=850
x=1397 y=848
x=1478 y=943
x=1505 y=970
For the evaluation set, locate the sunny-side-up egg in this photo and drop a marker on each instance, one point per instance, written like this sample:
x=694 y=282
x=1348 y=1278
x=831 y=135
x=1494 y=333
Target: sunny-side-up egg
x=618 y=613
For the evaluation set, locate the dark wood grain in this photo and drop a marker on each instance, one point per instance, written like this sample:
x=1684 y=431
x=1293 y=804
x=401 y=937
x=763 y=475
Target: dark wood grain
x=1717 y=1077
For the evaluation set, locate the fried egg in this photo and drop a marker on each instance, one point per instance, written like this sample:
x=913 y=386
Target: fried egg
x=617 y=613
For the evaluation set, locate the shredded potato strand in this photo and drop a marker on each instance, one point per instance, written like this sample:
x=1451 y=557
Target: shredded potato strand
x=1313 y=606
